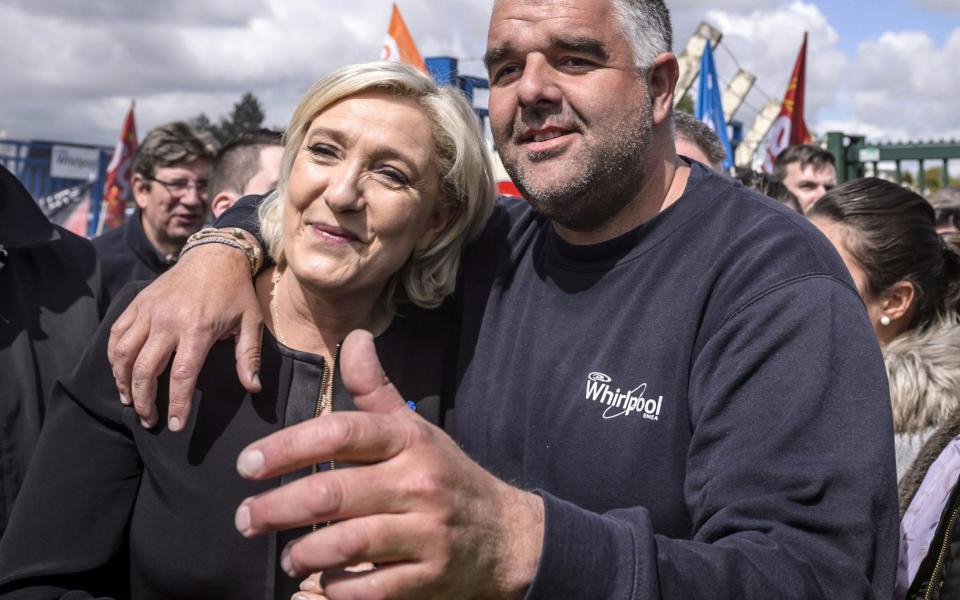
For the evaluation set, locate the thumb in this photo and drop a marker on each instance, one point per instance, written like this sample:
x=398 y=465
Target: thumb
x=248 y=351
x=364 y=377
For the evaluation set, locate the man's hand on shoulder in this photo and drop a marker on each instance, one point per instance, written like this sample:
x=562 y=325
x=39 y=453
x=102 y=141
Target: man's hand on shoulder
x=208 y=295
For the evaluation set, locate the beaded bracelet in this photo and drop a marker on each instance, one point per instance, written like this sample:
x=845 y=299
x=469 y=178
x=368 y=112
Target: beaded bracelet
x=228 y=236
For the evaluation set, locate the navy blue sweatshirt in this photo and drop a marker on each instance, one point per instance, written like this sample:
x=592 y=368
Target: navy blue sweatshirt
x=700 y=402
x=126 y=255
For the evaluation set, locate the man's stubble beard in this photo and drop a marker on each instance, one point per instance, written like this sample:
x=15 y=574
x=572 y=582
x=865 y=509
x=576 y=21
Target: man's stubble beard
x=609 y=178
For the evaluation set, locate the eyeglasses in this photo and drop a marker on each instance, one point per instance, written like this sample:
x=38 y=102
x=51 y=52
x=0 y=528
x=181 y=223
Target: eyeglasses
x=178 y=188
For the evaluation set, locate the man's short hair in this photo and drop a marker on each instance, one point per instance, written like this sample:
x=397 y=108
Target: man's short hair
x=769 y=186
x=806 y=155
x=172 y=144
x=699 y=134
x=646 y=25
x=239 y=160
x=947 y=198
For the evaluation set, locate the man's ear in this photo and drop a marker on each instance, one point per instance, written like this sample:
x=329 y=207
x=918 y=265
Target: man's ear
x=662 y=77
x=898 y=301
x=438 y=222
x=141 y=190
x=222 y=202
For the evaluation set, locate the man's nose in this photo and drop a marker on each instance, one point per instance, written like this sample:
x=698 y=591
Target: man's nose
x=193 y=196
x=538 y=84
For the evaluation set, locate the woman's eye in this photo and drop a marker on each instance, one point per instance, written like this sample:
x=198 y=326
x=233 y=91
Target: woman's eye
x=321 y=150
x=395 y=176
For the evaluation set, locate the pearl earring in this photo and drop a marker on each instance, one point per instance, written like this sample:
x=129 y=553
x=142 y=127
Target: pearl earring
x=885 y=320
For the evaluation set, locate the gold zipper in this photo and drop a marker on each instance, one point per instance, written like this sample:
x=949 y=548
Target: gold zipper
x=325 y=405
x=943 y=551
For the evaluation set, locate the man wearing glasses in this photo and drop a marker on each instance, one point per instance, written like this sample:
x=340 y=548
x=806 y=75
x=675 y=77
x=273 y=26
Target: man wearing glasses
x=171 y=170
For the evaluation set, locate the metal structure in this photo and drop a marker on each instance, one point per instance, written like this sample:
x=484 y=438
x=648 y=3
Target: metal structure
x=49 y=170
x=689 y=59
x=853 y=153
x=445 y=70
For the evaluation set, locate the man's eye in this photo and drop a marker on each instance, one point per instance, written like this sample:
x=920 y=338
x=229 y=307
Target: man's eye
x=505 y=72
x=575 y=62
x=179 y=184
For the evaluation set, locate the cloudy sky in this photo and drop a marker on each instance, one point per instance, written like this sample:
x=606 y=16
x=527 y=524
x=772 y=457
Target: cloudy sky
x=889 y=69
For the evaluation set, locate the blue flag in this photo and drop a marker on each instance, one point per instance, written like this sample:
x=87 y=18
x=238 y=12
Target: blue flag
x=709 y=106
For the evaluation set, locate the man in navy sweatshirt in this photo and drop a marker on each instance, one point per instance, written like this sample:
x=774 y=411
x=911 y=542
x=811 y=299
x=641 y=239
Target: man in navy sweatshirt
x=668 y=387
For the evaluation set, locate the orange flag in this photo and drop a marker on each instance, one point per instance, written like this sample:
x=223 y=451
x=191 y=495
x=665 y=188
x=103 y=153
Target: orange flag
x=398 y=46
x=116 y=191
x=789 y=128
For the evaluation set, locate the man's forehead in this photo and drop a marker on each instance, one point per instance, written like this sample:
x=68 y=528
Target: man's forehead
x=553 y=20
x=201 y=166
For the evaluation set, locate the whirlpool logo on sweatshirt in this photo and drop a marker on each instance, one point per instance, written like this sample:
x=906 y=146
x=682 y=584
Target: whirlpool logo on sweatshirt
x=618 y=403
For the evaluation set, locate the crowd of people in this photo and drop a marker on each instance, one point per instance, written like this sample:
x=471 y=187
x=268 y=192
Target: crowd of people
x=372 y=378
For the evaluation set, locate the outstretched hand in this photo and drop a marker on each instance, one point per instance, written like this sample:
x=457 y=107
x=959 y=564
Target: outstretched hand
x=434 y=522
x=208 y=295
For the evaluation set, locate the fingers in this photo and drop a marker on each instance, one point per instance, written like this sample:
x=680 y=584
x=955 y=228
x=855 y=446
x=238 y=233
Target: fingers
x=378 y=539
x=354 y=437
x=127 y=336
x=327 y=496
x=187 y=362
x=308 y=595
x=248 y=350
x=364 y=378
x=397 y=580
x=312 y=583
x=149 y=364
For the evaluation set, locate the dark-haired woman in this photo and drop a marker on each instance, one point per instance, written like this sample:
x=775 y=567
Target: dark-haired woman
x=909 y=280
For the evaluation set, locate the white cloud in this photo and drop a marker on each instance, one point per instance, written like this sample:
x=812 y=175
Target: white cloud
x=904 y=83
x=899 y=85
x=75 y=67
x=68 y=70
x=766 y=43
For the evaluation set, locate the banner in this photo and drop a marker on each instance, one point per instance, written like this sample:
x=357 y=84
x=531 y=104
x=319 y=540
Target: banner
x=117 y=192
x=398 y=46
x=709 y=106
x=72 y=162
x=789 y=128
x=69 y=208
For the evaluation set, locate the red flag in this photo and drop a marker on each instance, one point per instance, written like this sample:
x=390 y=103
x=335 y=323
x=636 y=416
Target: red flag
x=117 y=192
x=398 y=46
x=789 y=127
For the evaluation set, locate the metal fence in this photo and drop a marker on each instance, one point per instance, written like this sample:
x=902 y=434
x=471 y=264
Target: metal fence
x=854 y=154
x=51 y=170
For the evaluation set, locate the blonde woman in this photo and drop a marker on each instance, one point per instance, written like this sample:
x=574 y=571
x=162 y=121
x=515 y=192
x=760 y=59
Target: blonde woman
x=384 y=177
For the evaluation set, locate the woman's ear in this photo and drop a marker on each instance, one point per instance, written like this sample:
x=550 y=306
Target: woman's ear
x=898 y=301
x=438 y=222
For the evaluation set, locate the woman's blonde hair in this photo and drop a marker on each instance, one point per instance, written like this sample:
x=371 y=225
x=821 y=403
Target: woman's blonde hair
x=467 y=186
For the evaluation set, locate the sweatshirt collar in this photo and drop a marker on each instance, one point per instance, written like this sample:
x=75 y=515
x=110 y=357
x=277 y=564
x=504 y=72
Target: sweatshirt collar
x=136 y=238
x=702 y=186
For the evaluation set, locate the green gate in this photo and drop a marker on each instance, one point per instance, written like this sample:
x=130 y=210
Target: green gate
x=853 y=153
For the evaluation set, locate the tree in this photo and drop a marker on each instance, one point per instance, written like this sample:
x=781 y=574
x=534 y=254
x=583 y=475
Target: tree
x=247 y=115
x=686 y=104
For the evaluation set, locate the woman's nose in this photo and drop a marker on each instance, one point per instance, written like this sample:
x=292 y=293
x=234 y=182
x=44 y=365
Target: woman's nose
x=343 y=190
